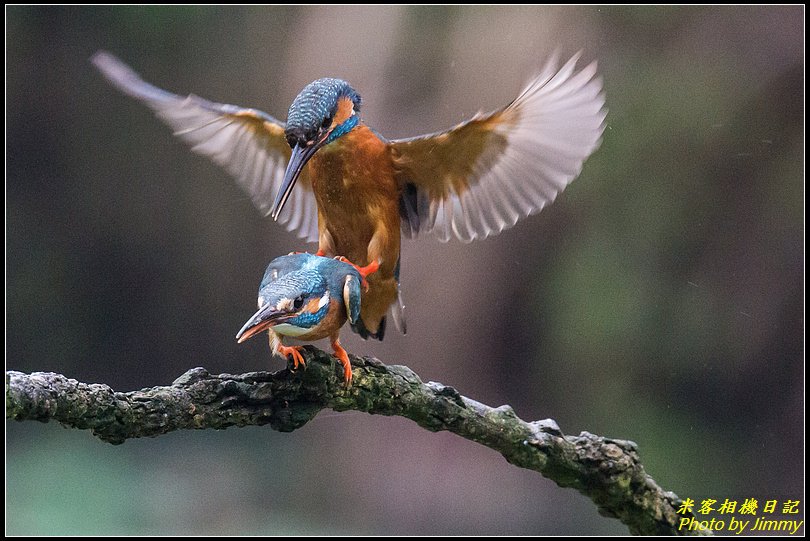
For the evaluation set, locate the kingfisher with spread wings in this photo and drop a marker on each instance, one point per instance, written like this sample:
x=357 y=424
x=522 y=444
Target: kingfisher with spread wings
x=340 y=183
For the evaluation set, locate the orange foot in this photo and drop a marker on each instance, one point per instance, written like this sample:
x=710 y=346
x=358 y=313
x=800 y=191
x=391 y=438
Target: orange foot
x=341 y=354
x=295 y=352
x=320 y=253
x=371 y=268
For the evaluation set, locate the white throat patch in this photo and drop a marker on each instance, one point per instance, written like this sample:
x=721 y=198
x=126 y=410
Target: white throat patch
x=290 y=330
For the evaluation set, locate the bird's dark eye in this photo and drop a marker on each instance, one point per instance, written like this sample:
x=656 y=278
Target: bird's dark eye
x=298 y=303
x=292 y=141
x=327 y=122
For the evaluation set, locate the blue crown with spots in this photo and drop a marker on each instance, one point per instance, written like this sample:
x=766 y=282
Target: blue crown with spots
x=315 y=105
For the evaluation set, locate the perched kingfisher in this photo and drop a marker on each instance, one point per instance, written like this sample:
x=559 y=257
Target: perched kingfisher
x=307 y=297
x=357 y=193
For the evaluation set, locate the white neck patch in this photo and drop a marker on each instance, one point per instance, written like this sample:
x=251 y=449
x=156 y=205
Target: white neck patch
x=324 y=299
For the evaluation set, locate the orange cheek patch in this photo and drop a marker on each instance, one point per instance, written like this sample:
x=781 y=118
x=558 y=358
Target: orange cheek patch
x=312 y=306
x=344 y=111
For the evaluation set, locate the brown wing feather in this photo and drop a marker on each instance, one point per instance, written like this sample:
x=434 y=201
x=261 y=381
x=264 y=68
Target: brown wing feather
x=248 y=143
x=444 y=163
x=485 y=174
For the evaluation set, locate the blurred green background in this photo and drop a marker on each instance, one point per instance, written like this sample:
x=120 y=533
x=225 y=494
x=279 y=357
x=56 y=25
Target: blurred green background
x=660 y=299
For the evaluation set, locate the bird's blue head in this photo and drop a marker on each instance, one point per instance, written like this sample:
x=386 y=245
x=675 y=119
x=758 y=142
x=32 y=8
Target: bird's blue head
x=296 y=295
x=315 y=109
x=322 y=112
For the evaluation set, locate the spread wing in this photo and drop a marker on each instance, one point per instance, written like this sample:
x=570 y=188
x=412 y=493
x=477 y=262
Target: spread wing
x=484 y=175
x=248 y=143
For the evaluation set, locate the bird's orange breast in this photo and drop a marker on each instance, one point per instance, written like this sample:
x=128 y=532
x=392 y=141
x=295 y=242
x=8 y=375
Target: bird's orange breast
x=358 y=212
x=358 y=198
x=331 y=323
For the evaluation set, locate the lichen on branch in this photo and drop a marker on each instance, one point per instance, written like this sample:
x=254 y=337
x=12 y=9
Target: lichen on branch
x=606 y=470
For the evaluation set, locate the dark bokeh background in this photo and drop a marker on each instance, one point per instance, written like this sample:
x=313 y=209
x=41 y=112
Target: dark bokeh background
x=660 y=299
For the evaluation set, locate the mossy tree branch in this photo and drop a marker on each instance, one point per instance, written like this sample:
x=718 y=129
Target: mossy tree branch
x=606 y=470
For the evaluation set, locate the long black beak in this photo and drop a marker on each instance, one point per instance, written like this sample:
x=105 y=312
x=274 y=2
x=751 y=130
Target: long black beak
x=265 y=318
x=299 y=158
